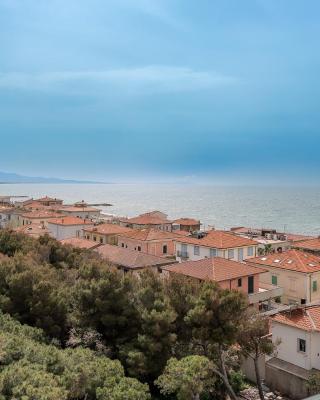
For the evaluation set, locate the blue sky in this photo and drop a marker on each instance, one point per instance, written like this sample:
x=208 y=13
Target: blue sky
x=161 y=89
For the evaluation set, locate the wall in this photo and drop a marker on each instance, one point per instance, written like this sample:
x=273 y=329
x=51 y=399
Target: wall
x=154 y=247
x=65 y=231
x=205 y=252
x=288 y=348
x=295 y=284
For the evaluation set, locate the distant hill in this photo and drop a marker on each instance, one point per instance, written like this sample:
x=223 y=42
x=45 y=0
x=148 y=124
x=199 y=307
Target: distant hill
x=9 y=177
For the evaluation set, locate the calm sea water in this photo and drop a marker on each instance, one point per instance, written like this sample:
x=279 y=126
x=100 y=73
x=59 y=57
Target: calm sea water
x=295 y=210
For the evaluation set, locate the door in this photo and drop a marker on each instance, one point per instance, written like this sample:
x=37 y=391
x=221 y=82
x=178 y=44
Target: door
x=250 y=284
x=184 y=250
x=240 y=254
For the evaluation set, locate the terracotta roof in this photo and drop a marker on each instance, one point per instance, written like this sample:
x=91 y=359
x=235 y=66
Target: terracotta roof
x=310 y=244
x=32 y=230
x=46 y=198
x=108 y=229
x=80 y=243
x=186 y=221
x=41 y=214
x=69 y=220
x=77 y=209
x=293 y=260
x=219 y=240
x=296 y=237
x=148 y=219
x=149 y=234
x=130 y=258
x=307 y=318
x=179 y=232
x=217 y=269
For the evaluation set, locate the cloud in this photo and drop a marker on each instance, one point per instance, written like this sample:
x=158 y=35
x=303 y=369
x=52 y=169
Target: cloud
x=150 y=78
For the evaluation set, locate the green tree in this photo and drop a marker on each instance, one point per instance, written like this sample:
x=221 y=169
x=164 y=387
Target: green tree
x=123 y=389
x=215 y=319
x=255 y=341
x=188 y=378
x=146 y=356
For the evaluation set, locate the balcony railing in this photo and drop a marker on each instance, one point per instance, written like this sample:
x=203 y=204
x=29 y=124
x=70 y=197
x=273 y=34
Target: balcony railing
x=266 y=292
x=183 y=254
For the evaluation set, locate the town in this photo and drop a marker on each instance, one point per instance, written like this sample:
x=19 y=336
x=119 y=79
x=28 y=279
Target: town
x=278 y=272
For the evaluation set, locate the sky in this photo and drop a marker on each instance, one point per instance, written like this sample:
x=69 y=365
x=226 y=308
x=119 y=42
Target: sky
x=165 y=90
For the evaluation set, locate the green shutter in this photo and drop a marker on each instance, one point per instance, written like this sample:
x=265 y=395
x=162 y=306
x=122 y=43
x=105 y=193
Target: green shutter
x=274 y=280
x=314 y=286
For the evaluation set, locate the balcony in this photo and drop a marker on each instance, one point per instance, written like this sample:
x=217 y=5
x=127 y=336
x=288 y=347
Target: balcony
x=266 y=292
x=184 y=255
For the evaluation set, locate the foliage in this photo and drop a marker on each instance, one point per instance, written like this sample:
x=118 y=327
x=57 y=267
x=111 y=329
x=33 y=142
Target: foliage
x=188 y=378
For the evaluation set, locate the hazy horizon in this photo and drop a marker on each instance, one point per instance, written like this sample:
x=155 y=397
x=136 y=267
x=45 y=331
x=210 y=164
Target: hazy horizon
x=150 y=90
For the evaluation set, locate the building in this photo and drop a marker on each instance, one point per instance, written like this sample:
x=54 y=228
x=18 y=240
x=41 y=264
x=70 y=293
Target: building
x=130 y=260
x=230 y=275
x=309 y=245
x=33 y=230
x=186 y=224
x=153 y=219
x=297 y=272
x=80 y=210
x=5 y=200
x=215 y=243
x=150 y=241
x=80 y=243
x=66 y=227
x=5 y=216
x=40 y=217
x=49 y=201
x=298 y=354
x=105 y=233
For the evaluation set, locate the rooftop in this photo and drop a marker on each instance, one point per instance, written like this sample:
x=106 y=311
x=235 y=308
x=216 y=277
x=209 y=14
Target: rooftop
x=293 y=260
x=41 y=214
x=80 y=243
x=130 y=258
x=186 y=221
x=108 y=229
x=219 y=239
x=77 y=208
x=310 y=244
x=305 y=318
x=32 y=230
x=68 y=220
x=149 y=234
x=217 y=269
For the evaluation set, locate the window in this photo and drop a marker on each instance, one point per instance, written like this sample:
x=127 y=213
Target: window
x=314 y=286
x=250 y=251
x=231 y=253
x=101 y=240
x=139 y=248
x=122 y=244
x=274 y=280
x=196 y=250
x=95 y=238
x=302 y=345
x=213 y=252
x=239 y=282
x=165 y=249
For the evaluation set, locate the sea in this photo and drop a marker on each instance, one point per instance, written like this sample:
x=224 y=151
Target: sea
x=288 y=209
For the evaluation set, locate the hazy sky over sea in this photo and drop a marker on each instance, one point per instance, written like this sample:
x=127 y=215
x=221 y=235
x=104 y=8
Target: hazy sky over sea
x=161 y=89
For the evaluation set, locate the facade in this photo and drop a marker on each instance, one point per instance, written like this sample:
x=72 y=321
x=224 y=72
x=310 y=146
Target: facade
x=186 y=224
x=297 y=272
x=229 y=275
x=154 y=219
x=49 y=201
x=149 y=241
x=80 y=210
x=40 y=217
x=67 y=227
x=105 y=233
x=298 y=331
x=215 y=243
x=130 y=260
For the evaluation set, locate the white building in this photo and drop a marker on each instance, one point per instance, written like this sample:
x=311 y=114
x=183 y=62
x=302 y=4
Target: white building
x=80 y=210
x=215 y=244
x=68 y=227
x=298 y=353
